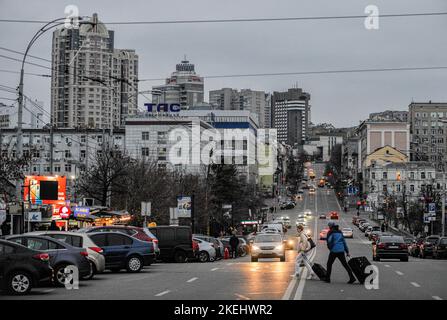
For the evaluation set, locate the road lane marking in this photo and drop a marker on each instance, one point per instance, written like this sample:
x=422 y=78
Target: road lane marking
x=388 y=266
x=399 y=273
x=162 y=293
x=214 y=269
x=241 y=296
x=192 y=279
x=230 y=264
x=436 y=297
x=415 y=284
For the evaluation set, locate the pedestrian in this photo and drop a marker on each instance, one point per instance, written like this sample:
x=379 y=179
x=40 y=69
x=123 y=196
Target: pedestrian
x=382 y=227
x=386 y=226
x=303 y=247
x=337 y=246
x=53 y=226
x=234 y=243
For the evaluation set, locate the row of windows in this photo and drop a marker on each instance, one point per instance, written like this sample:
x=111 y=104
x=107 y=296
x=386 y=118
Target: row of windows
x=399 y=176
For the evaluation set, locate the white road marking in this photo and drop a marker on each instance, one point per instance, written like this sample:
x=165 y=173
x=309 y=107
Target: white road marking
x=436 y=297
x=230 y=264
x=214 y=269
x=192 y=279
x=241 y=296
x=388 y=266
x=162 y=293
x=399 y=273
x=415 y=284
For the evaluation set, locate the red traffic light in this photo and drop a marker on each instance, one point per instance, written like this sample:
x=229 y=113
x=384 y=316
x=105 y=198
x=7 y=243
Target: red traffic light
x=359 y=203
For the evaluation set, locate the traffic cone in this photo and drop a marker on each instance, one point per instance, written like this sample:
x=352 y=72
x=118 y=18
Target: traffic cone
x=226 y=254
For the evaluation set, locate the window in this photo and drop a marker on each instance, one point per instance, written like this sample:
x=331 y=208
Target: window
x=373 y=175
x=37 y=244
x=99 y=239
x=68 y=168
x=162 y=137
x=57 y=168
x=161 y=154
x=384 y=175
x=5 y=249
x=145 y=136
x=412 y=187
x=118 y=240
x=398 y=188
x=412 y=175
x=67 y=154
x=422 y=175
x=145 y=152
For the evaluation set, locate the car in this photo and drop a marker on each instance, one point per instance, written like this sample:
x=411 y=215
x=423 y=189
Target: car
x=142 y=234
x=175 y=243
x=370 y=229
x=334 y=215
x=22 y=268
x=122 y=251
x=363 y=226
x=61 y=255
x=218 y=245
x=301 y=222
x=206 y=251
x=243 y=247
x=390 y=247
x=79 y=240
x=426 y=247
x=301 y=216
x=278 y=225
x=311 y=191
x=322 y=216
x=323 y=233
x=355 y=220
x=307 y=213
x=347 y=232
x=415 y=246
x=440 y=248
x=268 y=246
x=359 y=222
x=287 y=205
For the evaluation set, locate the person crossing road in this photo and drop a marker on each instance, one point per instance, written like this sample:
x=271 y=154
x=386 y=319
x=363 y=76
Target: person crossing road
x=303 y=247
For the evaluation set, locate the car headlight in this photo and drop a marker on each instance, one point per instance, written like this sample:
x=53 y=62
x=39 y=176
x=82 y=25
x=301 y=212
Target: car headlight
x=255 y=248
x=280 y=247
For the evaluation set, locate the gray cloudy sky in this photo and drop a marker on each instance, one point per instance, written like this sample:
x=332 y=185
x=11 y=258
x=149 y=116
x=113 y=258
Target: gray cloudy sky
x=219 y=49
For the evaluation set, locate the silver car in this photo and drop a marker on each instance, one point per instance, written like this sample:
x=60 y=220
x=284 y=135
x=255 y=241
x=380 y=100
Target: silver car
x=79 y=240
x=206 y=252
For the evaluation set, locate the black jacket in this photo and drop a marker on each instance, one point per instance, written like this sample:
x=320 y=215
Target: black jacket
x=234 y=241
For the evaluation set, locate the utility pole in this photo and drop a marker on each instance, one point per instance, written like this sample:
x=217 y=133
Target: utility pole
x=51 y=148
x=443 y=206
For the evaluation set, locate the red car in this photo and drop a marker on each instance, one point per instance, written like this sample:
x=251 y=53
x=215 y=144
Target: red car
x=334 y=215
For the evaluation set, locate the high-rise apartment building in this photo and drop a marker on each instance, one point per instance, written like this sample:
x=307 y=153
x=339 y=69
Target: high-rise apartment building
x=184 y=87
x=291 y=115
x=93 y=84
x=428 y=127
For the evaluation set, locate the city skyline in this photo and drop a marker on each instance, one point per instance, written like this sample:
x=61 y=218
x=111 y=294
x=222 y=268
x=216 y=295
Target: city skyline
x=264 y=47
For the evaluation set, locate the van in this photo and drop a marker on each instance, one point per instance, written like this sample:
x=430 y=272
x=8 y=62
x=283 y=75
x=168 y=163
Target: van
x=175 y=243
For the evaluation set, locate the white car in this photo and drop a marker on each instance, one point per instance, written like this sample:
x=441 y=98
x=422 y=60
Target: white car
x=308 y=213
x=268 y=246
x=207 y=252
x=79 y=240
x=347 y=232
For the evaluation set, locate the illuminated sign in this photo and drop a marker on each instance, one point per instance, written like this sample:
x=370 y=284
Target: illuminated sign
x=45 y=189
x=64 y=212
x=163 y=107
x=81 y=212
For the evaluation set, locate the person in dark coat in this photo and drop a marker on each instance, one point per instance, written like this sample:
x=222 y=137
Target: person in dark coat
x=234 y=243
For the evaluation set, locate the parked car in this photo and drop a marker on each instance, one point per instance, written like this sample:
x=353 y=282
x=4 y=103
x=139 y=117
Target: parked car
x=390 y=247
x=415 y=246
x=175 y=243
x=142 y=234
x=287 y=205
x=426 y=247
x=322 y=216
x=363 y=226
x=359 y=222
x=61 y=255
x=218 y=245
x=206 y=251
x=370 y=230
x=268 y=246
x=347 y=232
x=440 y=248
x=79 y=240
x=124 y=252
x=355 y=220
x=22 y=269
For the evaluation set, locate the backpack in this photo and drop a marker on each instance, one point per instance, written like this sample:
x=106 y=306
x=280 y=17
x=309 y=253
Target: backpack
x=311 y=242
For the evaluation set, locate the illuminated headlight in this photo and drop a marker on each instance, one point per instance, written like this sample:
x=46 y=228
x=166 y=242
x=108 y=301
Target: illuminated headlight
x=255 y=248
x=280 y=247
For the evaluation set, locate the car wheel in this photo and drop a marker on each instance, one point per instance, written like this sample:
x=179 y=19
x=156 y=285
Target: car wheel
x=282 y=259
x=92 y=272
x=60 y=276
x=134 y=264
x=254 y=259
x=19 y=282
x=180 y=256
x=204 y=256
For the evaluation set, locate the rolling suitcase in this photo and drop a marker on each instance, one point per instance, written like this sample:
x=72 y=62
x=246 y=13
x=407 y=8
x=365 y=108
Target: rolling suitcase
x=320 y=271
x=358 y=266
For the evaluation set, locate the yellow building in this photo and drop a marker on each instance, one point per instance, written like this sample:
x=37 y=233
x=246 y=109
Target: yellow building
x=385 y=155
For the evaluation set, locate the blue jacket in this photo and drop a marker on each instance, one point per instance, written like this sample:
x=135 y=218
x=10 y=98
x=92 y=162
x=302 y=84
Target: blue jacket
x=336 y=242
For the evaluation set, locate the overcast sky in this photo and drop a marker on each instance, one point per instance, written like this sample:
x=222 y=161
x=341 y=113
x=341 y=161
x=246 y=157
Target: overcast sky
x=262 y=47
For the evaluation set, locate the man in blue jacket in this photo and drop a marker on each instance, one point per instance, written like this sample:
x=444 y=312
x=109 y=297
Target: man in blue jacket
x=337 y=245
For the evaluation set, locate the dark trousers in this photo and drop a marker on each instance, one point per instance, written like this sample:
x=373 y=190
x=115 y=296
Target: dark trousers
x=234 y=252
x=341 y=257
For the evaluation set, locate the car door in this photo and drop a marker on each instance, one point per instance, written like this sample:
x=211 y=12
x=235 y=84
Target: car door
x=118 y=246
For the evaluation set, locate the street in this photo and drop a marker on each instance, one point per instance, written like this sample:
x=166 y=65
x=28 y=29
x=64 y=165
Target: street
x=268 y=279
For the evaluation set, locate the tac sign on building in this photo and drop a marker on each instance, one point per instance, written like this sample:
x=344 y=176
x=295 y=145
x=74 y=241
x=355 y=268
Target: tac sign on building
x=163 y=107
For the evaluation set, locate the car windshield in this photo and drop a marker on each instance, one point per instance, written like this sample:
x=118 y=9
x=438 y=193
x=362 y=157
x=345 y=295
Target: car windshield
x=443 y=241
x=431 y=240
x=267 y=238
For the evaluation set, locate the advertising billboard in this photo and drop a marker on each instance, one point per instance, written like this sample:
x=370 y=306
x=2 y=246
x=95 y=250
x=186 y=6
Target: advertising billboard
x=184 y=205
x=45 y=189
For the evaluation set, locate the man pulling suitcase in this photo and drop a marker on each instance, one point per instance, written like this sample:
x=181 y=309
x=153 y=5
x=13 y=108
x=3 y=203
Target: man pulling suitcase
x=337 y=245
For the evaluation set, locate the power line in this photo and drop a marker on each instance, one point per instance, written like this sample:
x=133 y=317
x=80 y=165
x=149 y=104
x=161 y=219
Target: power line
x=30 y=63
x=344 y=17
x=314 y=72
x=27 y=73
x=21 y=53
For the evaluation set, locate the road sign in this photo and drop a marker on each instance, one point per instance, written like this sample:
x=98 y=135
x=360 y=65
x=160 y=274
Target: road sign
x=352 y=190
x=145 y=209
x=35 y=216
x=426 y=218
x=432 y=208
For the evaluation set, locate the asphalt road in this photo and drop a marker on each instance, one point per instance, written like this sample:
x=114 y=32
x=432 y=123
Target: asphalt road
x=268 y=279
